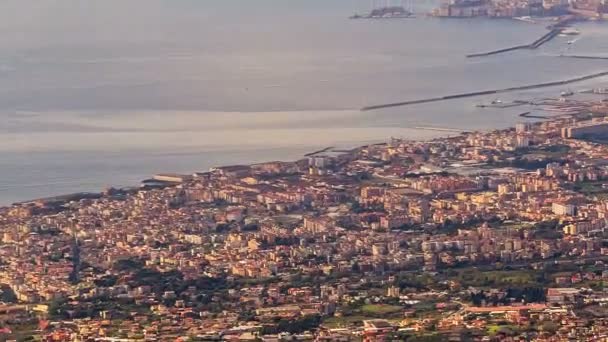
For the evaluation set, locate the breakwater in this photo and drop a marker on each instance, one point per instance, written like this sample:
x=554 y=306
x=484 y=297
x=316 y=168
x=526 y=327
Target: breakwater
x=486 y=92
x=584 y=57
x=327 y=149
x=440 y=129
x=529 y=115
x=534 y=45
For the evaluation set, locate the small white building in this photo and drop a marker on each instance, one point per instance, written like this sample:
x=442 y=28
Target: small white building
x=563 y=209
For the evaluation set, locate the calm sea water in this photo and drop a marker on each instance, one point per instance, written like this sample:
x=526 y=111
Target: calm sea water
x=100 y=93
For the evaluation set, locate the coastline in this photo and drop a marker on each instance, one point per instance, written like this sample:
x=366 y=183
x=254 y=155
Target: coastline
x=437 y=133
x=74 y=196
x=33 y=181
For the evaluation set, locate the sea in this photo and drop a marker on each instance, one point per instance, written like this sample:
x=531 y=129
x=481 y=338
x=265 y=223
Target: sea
x=108 y=92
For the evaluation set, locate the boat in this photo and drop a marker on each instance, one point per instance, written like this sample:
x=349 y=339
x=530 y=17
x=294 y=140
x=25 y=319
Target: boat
x=567 y=93
x=570 y=32
x=526 y=19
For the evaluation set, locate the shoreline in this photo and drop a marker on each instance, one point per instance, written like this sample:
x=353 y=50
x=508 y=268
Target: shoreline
x=9 y=202
x=443 y=133
x=74 y=196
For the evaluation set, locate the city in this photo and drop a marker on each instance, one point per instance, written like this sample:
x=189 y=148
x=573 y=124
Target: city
x=280 y=172
x=479 y=236
x=522 y=10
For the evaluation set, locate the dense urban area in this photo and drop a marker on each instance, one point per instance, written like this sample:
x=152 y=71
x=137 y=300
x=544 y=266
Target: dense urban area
x=521 y=8
x=480 y=236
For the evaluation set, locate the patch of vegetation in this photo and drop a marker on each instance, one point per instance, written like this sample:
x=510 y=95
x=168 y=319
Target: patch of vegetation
x=293 y=326
x=548 y=230
x=495 y=329
x=432 y=337
x=595 y=311
x=22 y=332
x=420 y=282
x=503 y=278
x=130 y=264
x=380 y=309
x=106 y=281
x=595 y=188
x=426 y=309
x=515 y=225
x=8 y=295
x=344 y=321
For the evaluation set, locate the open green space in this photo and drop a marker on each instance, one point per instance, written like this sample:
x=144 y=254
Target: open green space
x=498 y=278
x=380 y=309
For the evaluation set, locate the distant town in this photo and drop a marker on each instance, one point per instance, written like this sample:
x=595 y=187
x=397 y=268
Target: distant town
x=518 y=9
x=481 y=236
x=590 y=9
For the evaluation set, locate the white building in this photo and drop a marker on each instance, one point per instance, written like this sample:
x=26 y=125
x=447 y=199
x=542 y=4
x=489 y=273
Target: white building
x=563 y=209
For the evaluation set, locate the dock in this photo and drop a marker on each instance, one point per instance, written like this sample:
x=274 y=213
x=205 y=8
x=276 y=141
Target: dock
x=327 y=149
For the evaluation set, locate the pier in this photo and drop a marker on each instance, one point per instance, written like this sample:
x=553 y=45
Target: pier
x=487 y=92
x=584 y=57
x=546 y=38
x=555 y=30
x=529 y=115
x=327 y=149
x=496 y=52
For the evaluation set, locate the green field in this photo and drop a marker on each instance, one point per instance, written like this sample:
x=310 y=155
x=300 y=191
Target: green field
x=516 y=225
x=380 y=309
x=367 y=311
x=498 y=278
